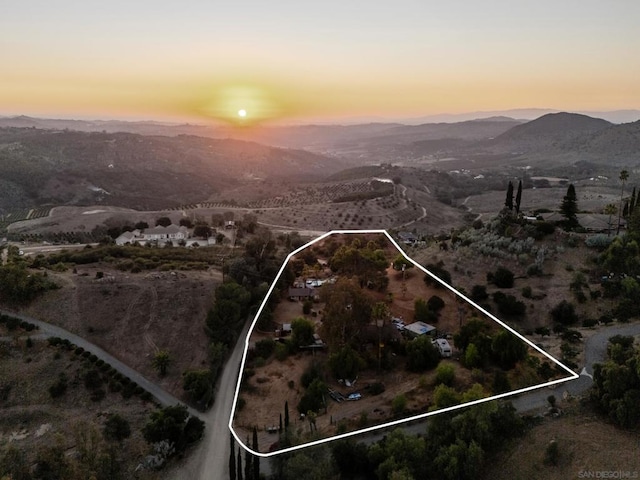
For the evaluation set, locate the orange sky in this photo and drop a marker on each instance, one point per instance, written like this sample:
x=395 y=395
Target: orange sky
x=285 y=61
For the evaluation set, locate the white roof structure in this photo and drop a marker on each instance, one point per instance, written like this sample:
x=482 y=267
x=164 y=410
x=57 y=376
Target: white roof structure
x=419 y=328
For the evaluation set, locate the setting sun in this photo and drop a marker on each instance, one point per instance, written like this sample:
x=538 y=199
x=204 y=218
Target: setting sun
x=242 y=113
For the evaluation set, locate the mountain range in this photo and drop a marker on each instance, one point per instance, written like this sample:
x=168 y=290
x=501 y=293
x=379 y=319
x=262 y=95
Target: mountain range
x=52 y=162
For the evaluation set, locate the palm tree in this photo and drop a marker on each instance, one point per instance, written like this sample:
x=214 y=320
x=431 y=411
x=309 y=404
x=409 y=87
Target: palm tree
x=161 y=361
x=610 y=210
x=624 y=176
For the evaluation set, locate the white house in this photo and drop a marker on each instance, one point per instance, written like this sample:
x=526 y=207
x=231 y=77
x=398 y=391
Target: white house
x=155 y=234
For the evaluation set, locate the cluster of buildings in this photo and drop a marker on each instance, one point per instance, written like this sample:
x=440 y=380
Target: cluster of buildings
x=159 y=235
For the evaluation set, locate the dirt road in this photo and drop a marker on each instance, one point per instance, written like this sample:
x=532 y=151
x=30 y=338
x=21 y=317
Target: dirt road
x=210 y=459
x=49 y=330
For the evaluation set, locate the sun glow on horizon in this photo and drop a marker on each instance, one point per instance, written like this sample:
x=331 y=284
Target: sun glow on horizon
x=242 y=113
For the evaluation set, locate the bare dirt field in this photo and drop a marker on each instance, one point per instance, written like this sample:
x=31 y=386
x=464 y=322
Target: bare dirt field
x=587 y=446
x=133 y=315
x=31 y=419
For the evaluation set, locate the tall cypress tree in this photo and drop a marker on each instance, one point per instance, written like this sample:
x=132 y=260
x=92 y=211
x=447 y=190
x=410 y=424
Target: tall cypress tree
x=518 y=197
x=286 y=415
x=632 y=201
x=239 y=467
x=569 y=208
x=508 y=202
x=248 y=467
x=232 y=459
x=256 y=459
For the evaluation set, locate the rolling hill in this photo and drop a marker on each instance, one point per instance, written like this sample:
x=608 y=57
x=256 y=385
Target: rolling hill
x=122 y=169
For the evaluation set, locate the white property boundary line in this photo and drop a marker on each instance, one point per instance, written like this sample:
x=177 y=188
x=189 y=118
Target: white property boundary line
x=572 y=375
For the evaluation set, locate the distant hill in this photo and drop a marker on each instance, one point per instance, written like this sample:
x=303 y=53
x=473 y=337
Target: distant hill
x=553 y=126
x=109 y=126
x=123 y=169
x=524 y=114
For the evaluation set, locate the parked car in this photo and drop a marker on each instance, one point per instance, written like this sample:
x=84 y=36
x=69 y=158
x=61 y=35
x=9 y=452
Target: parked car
x=354 y=396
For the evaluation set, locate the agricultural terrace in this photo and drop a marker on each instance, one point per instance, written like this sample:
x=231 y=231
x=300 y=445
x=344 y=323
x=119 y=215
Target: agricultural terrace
x=334 y=350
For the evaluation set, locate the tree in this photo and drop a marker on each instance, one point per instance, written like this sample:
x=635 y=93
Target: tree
x=186 y=222
x=633 y=201
x=445 y=374
x=422 y=354
x=163 y=222
x=501 y=278
x=564 y=313
x=610 y=209
x=569 y=208
x=202 y=230
x=401 y=262
x=199 y=386
x=518 y=197
x=286 y=415
x=624 y=176
x=141 y=225
x=422 y=313
x=302 y=331
x=256 y=459
x=239 y=465
x=479 y=293
x=347 y=312
x=248 y=464
x=435 y=303
x=116 y=428
x=232 y=458
x=173 y=425
x=507 y=349
x=313 y=398
x=346 y=363
x=161 y=361
x=509 y=199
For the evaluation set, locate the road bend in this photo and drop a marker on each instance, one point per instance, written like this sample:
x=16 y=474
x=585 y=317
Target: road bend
x=48 y=330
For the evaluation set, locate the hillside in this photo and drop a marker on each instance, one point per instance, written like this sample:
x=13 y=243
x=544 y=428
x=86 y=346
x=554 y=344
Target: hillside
x=550 y=131
x=143 y=172
x=619 y=141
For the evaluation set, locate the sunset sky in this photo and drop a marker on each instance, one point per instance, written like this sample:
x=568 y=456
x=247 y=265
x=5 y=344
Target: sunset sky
x=300 y=61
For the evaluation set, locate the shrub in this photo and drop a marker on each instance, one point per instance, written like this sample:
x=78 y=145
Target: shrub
x=435 y=303
x=503 y=278
x=445 y=374
x=479 y=293
x=281 y=351
x=527 y=292
x=564 y=313
x=399 y=404
x=264 y=348
x=59 y=387
x=116 y=428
